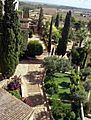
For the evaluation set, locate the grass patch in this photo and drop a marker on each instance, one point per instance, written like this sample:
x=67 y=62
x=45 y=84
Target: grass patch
x=15 y=93
x=57 y=88
x=61 y=81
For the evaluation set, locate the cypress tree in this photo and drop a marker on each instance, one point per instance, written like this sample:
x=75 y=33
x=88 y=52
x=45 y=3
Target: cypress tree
x=50 y=37
x=62 y=45
x=1 y=16
x=9 y=42
x=40 y=22
x=57 y=20
x=1 y=7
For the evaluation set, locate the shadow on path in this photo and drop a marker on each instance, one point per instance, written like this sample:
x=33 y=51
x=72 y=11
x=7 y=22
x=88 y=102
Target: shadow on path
x=34 y=100
x=35 y=77
x=42 y=115
x=31 y=61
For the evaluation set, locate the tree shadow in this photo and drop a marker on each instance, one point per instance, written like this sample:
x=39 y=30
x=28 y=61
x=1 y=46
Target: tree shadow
x=34 y=100
x=31 y=61
x=64 y=84
x=43 y=115
x=65 y=96
x=35 y=77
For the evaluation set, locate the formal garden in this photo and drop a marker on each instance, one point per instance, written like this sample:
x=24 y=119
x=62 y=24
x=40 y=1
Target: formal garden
x=67 y=89
x=68 y=71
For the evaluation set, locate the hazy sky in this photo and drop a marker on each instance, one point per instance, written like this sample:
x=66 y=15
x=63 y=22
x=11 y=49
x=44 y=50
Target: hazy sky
x=75 y=3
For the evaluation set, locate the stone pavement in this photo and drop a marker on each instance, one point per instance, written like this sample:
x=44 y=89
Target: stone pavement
x=32 y=73
x=87 y=118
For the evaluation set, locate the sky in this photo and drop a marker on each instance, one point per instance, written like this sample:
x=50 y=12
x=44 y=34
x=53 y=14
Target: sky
x=74 y=3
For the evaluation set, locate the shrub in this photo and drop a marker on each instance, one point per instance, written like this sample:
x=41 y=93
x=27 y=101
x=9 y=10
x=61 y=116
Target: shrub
x=78 y=118
x=54 y=64
x=78 y=55
x=72 y=115
x=51 y=88
x=34 y=48
x=15 y=84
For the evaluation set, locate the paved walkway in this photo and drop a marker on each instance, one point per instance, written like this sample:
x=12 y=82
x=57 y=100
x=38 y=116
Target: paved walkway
x=32 y=74
x=87 y=118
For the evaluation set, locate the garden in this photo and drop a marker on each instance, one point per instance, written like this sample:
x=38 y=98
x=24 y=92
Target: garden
x=66 y=89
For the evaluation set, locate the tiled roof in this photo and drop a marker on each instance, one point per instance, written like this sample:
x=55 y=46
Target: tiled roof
x=13 y=109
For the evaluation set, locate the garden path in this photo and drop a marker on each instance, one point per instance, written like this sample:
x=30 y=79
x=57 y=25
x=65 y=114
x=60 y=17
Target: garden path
x=32 y=74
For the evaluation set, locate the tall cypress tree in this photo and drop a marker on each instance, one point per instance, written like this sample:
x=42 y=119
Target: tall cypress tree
x=1 y=16
x=40 y=22
x=62 y=45
x=1 y=6
x=50 y=36
x=57 y=20
x=9 y=42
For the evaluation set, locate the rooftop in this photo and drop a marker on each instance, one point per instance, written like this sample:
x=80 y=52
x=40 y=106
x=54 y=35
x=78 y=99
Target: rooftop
x=12 y=108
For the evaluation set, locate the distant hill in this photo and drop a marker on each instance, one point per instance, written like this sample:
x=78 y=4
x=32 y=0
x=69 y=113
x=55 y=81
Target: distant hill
x=32 y=5
x=39 y=4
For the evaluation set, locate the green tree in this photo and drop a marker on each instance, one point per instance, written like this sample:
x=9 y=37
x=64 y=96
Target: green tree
x=23 y=45
x=10 y=43
x=78 y=55
x=57 y=20
x=78 y=95
x=87 y=86
x=45 y=29
x=87 y=50
x=54 y=64
x=55 y=34
x=50 y=36
x=40 y=22
x=89 y=26
x=85 y=73
x=78 y=25
x=1 y=7
x=81 y=35
x=62 y=45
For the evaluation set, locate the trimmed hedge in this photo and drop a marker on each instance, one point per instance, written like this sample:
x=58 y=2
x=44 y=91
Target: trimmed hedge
x=34 y=48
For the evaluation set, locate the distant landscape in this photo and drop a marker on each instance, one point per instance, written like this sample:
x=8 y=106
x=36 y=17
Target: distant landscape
x=39 y=4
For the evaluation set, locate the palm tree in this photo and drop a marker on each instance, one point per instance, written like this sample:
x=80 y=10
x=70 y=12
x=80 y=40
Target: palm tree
x=87 y=49
x=81 y=35
x=87 y=86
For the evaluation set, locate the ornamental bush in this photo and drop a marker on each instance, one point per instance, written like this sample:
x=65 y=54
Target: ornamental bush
x=15 y=84
x=34 y=48
x=55 y=64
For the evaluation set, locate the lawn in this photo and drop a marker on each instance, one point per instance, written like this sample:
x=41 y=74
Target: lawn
x=57 y=88
x=15 y=93
x=61 y=82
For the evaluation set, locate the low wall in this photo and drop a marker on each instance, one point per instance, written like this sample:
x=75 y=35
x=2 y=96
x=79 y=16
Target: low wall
x=4 y=83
